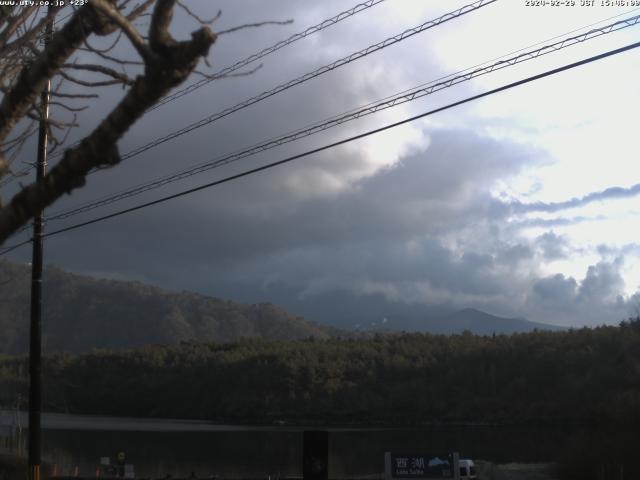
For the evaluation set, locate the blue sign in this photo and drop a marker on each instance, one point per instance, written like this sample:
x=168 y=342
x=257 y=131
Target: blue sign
x=422 y=466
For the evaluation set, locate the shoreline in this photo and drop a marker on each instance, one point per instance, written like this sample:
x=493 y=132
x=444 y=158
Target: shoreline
x=90 y=421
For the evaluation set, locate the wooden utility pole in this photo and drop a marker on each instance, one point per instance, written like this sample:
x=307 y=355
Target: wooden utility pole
x=35 y=336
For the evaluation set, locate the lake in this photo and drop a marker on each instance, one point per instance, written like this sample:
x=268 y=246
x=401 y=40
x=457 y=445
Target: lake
x=177 y=447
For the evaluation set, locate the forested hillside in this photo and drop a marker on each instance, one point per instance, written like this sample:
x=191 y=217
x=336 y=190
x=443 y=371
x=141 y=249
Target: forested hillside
x=82 y=312
x=581 y=376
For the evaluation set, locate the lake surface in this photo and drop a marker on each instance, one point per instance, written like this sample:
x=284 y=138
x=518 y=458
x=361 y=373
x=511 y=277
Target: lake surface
x=177 y=447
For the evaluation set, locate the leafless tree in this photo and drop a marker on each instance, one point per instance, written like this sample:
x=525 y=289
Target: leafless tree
x=92 y=30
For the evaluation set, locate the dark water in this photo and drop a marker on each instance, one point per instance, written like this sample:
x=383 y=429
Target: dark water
x=179 y=448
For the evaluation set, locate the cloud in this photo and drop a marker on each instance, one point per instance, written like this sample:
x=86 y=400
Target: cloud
x=512 y=255
x=551 y=207
x=612 y=252
x=553 y=222
x=555 y=291
x=594 y=300
x=408 y=217
x=380 y=229
x=420 y=232
x=602 y=283
x=552 y=246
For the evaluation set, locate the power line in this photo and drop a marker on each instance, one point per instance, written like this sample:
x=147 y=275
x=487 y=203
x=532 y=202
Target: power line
x=350 y=139
x=499 y=58
x=335 y=144
x=267 y=51
x=388 y=102
x=236 y=66
x=310 y=75
x=10 y=248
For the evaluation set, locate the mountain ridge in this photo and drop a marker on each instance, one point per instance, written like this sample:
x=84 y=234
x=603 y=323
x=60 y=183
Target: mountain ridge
x=82 y=312
x=452 y=322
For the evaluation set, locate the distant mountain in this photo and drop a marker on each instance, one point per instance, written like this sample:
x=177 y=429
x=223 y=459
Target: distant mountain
x=443 y=322
x=81 y=312
x=483 y=323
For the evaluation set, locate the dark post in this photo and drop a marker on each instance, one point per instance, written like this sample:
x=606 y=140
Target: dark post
x=35 y=338
x=315 y=464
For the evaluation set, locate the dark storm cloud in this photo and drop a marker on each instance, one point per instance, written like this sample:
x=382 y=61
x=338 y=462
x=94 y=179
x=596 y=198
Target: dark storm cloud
x=414 y=224
x=513 y=254
x=378 y=236
x=220 y=228
x=350 y=86
x=428 y=193
x=556 y=291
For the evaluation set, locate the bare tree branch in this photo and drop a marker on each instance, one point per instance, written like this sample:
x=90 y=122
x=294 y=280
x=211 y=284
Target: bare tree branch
x=74 y=95
x=5 y=13
x=14 y=23
x=88 y=83
x=254 y=25
x=110 y=72
x=35 y=116
x=198 y=18
x=132 y=34
x=166 y=63
x=115 y=59
x=33 y=80
x=8 y=145
x=91 y=48
x=139 y=10
x=69 y=108
x=57 y=142
x=159 y=36
x=171 y=63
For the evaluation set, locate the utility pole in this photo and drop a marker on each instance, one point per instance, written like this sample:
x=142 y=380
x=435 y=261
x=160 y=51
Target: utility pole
x=35 y=336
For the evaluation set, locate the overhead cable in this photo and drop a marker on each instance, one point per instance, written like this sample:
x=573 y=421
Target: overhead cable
x=237 y=65
x=267 y=51
x=524 y=81
x=296 y=81
x=5 y=250
x=388 y=102
x=335 y=144
x=310 y=75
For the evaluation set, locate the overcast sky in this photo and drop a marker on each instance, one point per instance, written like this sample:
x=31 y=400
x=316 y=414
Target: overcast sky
x=524 y=203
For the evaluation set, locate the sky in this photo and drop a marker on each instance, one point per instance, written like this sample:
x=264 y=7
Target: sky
x=521 y=204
